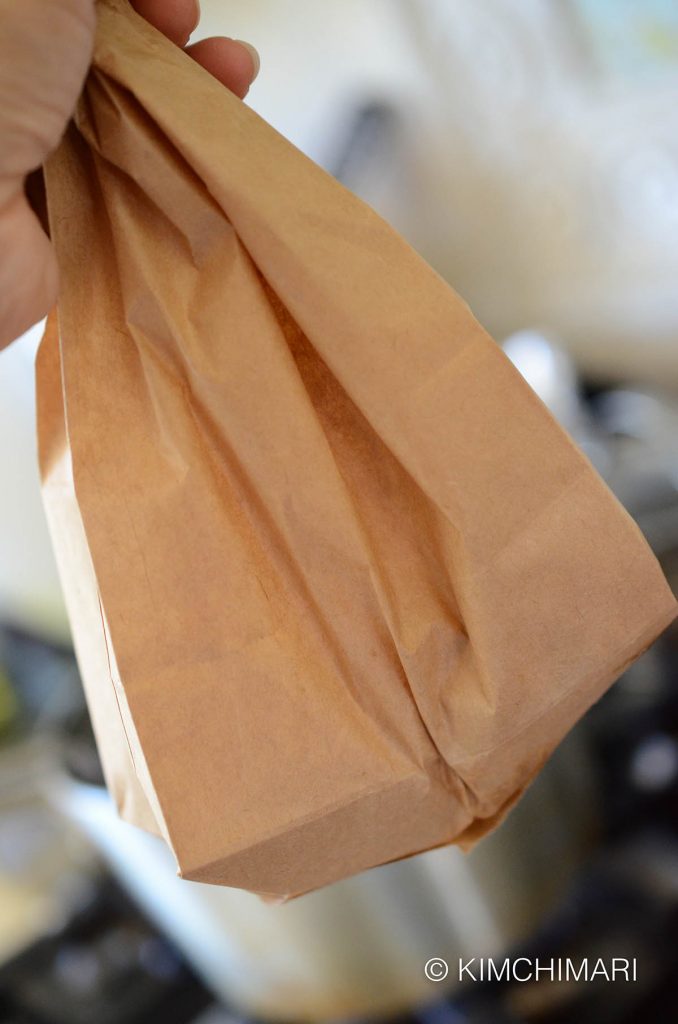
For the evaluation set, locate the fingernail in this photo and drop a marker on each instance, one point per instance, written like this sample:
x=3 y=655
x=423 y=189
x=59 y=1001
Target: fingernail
x=256 y=62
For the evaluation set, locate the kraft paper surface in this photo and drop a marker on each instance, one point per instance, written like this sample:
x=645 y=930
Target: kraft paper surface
x=338 y=582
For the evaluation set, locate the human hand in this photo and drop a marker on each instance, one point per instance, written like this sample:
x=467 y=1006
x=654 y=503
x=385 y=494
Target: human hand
x=45 y=51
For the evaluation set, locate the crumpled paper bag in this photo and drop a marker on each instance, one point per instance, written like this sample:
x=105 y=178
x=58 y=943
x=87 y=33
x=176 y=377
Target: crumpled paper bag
x=338 y=582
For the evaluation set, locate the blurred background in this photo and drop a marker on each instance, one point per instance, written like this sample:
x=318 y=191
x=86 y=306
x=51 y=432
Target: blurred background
x=529 y=150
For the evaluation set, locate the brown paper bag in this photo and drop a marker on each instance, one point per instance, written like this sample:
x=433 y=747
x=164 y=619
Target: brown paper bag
x=338 y=582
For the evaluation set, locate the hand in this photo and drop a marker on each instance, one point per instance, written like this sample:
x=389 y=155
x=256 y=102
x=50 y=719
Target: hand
x=45 y=51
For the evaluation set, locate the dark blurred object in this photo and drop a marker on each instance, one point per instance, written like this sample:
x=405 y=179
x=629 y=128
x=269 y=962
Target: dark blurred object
x=45 y=679
x=642 y=431
x=107 y=966
x=634 y=732
x=47 y=698
x=625 y=904
x=369 y=141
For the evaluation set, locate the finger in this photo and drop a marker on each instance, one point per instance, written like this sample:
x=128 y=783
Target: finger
x=174 y=18
x=45 y=50
x=28 y=274
x=234 y=63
